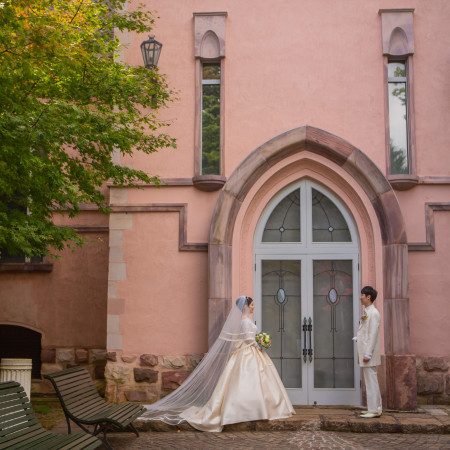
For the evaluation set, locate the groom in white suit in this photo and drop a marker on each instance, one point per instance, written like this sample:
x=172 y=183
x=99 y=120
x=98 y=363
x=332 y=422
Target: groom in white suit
x=368 y=340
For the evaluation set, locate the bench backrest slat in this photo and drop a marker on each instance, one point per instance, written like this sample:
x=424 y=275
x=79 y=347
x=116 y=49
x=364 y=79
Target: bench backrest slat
x=19 y=427
x=16 y=413
x=27 y=434
x=77 y=392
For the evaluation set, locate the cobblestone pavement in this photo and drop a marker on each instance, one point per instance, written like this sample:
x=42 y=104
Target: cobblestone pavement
x=280 y=440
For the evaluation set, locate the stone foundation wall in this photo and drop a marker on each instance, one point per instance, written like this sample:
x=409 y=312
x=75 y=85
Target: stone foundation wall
x=433 y=380
x=54 y=359
x=145 y=378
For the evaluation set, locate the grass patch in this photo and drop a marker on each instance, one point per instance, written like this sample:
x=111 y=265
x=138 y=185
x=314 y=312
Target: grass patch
x=42 y=409
x=48 y=412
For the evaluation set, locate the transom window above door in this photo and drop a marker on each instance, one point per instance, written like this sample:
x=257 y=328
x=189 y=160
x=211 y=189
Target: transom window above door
x=328 y=223
x=283 y=224
x=306 y=214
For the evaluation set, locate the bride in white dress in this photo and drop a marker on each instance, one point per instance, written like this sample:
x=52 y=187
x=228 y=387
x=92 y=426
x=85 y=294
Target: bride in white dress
x=235 y=382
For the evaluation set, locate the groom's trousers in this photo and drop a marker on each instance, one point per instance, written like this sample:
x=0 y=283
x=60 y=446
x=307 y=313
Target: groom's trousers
x=372 y=390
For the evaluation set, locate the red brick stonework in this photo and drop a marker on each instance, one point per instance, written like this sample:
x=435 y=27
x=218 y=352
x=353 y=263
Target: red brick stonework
x=146 y=378
x=433 y=380
x=55 y=359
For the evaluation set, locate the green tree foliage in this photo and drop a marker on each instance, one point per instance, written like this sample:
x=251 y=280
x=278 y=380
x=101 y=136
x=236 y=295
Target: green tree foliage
x=66 y=104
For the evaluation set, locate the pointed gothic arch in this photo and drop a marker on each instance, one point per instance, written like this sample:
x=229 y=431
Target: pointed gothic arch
x=399 y=367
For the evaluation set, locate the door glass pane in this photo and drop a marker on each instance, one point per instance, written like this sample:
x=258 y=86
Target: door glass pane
x=333 y=324
x=283 y=224
x=328 y=223
x=281 y=317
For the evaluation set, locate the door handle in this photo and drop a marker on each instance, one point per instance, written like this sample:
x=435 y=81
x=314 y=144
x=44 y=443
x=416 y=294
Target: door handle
x=310 y=349
x=304 y=329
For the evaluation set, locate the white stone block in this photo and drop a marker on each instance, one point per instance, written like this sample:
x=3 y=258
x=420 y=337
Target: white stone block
x=116 y=254
x=121 y=221
x=112 y=289
x=114 y=342
x=115 y=238
x=117 y=271
x=118 y=195
x=113 y=323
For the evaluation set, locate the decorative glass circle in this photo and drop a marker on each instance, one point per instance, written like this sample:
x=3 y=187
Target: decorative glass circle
x=333 y=296
x=281 y=295
x=281 y=229
x=330 y=229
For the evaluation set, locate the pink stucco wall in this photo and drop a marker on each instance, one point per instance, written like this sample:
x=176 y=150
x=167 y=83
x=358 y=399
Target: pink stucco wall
x=67 y=305
x=429 y=282
x=287 y=64
x=166 y=309
x=292 y=63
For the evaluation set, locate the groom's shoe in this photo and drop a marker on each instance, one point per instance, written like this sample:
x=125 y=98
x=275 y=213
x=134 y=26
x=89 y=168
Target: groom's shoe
x=368 y=415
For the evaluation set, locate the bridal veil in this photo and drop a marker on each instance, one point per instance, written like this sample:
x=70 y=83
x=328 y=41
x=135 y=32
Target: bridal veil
x=199 y=386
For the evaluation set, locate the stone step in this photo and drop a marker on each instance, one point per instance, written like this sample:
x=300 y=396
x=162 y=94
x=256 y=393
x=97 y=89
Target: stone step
x=436 y=421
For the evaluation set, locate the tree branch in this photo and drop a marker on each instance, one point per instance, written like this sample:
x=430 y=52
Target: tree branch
x=76 y=12
x=37 y=120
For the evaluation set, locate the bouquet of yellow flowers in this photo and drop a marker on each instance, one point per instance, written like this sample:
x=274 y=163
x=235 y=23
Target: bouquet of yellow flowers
x=263 y=340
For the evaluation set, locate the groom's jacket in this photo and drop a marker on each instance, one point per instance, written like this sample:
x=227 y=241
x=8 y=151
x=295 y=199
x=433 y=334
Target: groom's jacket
x=369 y=338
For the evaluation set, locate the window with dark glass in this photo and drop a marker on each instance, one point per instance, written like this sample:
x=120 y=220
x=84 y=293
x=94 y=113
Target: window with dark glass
x=398 y=117
x=15 y=207
x=210 y=136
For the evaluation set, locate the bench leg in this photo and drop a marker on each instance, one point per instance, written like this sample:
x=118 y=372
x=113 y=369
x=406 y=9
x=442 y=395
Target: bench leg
x=68 y=424
x=102 y=428
x=105 y=441
x=133 y=429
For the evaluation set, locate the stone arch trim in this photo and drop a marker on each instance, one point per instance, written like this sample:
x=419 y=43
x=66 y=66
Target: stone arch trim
x=395 y=247
x=23 y=325
x=304 y=166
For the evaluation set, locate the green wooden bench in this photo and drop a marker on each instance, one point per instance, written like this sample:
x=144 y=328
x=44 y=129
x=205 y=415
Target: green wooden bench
x=19 y=428
x=83 y=405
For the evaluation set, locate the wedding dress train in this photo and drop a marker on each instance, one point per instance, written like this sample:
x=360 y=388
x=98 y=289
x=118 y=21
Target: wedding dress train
x=235 y=382
x=249 y=389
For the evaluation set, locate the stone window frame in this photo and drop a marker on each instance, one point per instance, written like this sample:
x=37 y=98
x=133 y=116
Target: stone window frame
x=209 y=47
x=397 y=34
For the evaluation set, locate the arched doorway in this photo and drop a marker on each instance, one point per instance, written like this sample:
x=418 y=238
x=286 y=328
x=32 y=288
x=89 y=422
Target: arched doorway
x=376 y=199
x=306 y=293
x=20 y=342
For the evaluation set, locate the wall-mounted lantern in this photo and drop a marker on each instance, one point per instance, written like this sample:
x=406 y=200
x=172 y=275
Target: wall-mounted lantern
x=151 y=49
